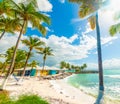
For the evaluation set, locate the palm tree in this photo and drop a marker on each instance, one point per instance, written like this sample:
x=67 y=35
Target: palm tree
x=47 y=51
x=20 y=59
x=26 y=13
x=84 y=66
x=4 y=7
x=33 y=64
x=32 y=43
x=68 y=66
x=89 y=8
x=9 y=25
x=72 y=66
x=62 y=64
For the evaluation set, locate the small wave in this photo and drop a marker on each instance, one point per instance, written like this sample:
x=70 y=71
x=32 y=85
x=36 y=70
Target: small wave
x=112 y=76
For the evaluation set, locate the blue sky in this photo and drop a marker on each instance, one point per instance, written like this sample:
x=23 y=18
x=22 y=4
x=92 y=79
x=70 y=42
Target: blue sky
x=71 y=38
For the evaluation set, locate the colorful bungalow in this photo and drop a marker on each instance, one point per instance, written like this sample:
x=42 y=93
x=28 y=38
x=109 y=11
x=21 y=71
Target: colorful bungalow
x=38 y=71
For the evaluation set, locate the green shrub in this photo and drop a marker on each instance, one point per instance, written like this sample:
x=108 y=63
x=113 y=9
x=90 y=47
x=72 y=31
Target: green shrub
x=30 y=99
x=24 y=99
x=4 y=97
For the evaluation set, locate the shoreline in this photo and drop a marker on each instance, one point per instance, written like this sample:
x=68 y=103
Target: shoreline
x=55 y=91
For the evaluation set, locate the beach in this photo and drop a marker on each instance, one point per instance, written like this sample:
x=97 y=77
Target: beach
x=50 y=89
x=55 y=91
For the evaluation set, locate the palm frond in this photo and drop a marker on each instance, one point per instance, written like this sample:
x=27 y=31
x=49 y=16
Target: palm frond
x=92 y=21
x=114 y=29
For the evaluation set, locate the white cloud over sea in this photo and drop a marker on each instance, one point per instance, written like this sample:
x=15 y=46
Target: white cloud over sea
x=113 y=63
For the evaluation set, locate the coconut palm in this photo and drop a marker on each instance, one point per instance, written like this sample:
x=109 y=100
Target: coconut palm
x=62 y=64
x=68 y=66
x=33 y=64
x=20 y=59
x=47 y=51
x=26 y=13
x=89 y=8
x=84 y=66
x=9 y=25
x=114 y=29
x=4 y=7
x=32 y=43
x=72 y=67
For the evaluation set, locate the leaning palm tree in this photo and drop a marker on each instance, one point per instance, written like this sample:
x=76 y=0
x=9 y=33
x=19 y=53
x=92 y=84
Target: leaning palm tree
x=9 y=25
x=47 y=51
x=26 y=13
x=21 y=56
x=32 y=43
x=29 y=14
x=89 y=8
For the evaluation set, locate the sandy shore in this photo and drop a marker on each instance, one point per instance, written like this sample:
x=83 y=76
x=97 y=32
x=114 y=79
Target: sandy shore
x=55 y=91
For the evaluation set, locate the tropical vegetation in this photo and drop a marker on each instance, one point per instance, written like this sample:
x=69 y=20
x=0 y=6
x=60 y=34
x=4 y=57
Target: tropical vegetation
x=19 y=61
x=31 y=43
x=26 y=99
x=15 y=18
x=114 y=29
x=47 y=51
x=33 y=64
x=66 y=65
x=22 y=13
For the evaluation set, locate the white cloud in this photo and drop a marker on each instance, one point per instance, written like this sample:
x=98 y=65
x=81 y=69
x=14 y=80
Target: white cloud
x=74 y=20
x=105 y=39
x=113 y=63
x=43 y=5
x=63 y=48
x=92 y=66
x=62 y=1
x=89 y=42
x=88 y=28
x=108 y=40
x=8 y=41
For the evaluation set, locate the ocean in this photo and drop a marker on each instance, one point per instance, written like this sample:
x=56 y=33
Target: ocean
x=90 y=82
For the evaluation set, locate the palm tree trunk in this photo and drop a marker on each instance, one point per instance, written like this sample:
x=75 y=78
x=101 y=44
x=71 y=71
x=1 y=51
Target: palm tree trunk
x=101 y=85
x=43 y=64
x=13 y=70
x=22 y=77
x=2 y=34
x=13 y=58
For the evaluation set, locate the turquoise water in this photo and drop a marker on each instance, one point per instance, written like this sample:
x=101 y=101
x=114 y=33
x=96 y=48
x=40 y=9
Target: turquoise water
x=89 y=83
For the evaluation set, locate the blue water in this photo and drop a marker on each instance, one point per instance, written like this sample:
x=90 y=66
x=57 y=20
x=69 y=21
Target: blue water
x=90 y=83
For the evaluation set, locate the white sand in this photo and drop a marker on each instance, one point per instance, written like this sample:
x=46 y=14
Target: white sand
x=56 y=89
